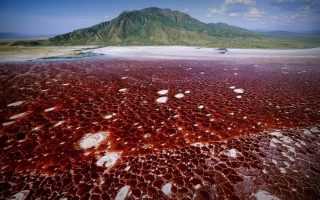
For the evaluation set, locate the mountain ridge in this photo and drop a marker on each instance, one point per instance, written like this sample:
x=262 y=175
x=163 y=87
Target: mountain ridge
x=158 y=26
x=153 y=26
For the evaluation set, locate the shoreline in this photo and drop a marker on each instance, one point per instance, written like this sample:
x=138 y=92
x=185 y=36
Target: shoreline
x=23 y=54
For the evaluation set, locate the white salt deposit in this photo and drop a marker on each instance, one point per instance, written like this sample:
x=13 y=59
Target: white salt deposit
x=264 y=195
x=163 y=92
x=58 y=123
x=282 y=170
x=20 y=195
x=199 y=144
x=123 y=90
x=125 y=77
x=123 y=193
x=92 y=140
x=201 y=106
x=18 y=103
x=109 y=159
x=238 y=96
x=232 y=87
x=179 y=95
x=166 y=189
x=49 y=109
x=239 y=91
x=276 y=133
x=197 y=186
x=303 y=143
x=286 y=139
x=187 y=92
x=18 y=115
x=107 y=117
x=232 y=153
x=8 y=123
x=162 y=100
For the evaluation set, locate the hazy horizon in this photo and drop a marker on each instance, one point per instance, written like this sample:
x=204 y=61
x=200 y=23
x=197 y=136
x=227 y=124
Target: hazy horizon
x=49 y=18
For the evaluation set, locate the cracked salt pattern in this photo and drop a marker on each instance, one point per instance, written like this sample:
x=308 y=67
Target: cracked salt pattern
x=210 y=144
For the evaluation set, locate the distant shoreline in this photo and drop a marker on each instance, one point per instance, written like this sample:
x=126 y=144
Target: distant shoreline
x=21 y=54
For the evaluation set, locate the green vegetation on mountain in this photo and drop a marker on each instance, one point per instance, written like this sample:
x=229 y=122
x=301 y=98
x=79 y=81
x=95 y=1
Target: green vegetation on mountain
x=155 y=26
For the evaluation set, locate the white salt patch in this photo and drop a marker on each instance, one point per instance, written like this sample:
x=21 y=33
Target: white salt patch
x=179 y=96
x=127 y=168
x=18 y=103
x=8 y=123
x=18 y=115
x=49 y=109
x=162 y=100
x=273 y=142
x=315 y=129
x=264 y=195
x=289 y=157
x=59 y=123
x=287 y=164
x=232 y=87
x=297 y=144
x=107 y=117
x=92 y=140
x=123 y=193
x=201 y=106
x=307 y=132
x=163 y=92
x=286 y=139
x=109 y=159
x=282 y=170
x=232 y=153
x=66 y=84
x=123 y=90
x=20 y=195
x=197 y=186
x=187 y=92
x=276 y=133
x=166 y=189
x=274 y=161
x=239 y=91
x=290 y=148
x=125 y=77
x=303 y=143
x=198 y=144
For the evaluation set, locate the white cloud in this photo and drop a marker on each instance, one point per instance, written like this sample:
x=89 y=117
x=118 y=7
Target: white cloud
x=216 y=10
x=254 y=12
x=248 y=11
x=229 y=2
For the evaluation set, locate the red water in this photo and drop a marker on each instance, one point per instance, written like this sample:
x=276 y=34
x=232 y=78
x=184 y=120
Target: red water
x=176 y=142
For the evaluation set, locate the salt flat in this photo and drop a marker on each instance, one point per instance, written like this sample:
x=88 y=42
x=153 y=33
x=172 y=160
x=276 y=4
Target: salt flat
x=198 y=53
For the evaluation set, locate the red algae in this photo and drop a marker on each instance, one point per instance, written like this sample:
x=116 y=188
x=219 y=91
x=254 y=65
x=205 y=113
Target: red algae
x=93 y=129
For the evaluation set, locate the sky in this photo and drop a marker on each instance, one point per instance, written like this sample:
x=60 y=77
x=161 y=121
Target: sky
x=49 y=17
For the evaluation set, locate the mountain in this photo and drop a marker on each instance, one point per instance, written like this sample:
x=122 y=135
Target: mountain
x=152 y=26
x=156 y=26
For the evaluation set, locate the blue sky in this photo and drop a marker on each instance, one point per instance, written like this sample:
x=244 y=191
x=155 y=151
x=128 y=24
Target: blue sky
x=60 y=16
